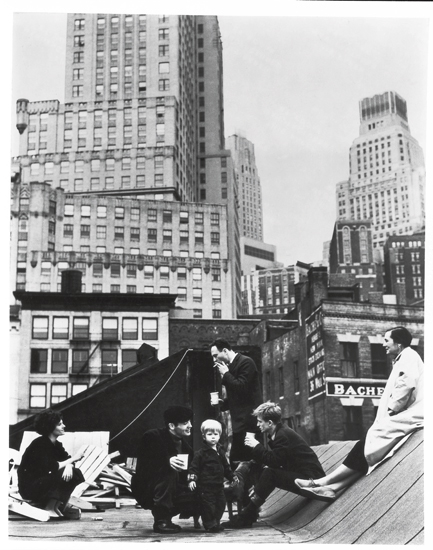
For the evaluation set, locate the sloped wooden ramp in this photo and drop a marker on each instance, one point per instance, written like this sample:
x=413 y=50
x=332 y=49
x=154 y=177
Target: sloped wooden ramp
x=385 y=507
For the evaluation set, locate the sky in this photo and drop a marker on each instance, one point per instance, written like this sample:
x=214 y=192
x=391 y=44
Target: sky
x=292 y=83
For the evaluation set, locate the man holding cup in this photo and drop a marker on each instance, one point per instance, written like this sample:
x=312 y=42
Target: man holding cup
x=240 y=377
x=161 y=472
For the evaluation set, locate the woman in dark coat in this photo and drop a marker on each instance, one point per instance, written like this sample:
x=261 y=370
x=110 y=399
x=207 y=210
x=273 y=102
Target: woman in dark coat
x=46 y=474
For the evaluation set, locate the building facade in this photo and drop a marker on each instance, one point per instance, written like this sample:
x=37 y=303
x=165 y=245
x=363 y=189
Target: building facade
x=69 y=342
x=122 y=245
x=351 y=251
x=142 y=123
x=405 y=268
x=271 y=291
x=250 y=191
x=387 y=173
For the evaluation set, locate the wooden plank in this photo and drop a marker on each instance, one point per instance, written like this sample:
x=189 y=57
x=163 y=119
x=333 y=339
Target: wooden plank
x=123 y=473
x=25 y=509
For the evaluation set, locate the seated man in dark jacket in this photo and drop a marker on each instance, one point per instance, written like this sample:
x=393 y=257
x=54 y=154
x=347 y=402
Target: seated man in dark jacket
x=161 y=475
x=288 y=457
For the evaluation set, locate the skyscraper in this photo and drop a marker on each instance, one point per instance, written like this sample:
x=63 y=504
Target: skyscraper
x=387 y=174
x=250 y=191
x=142 y=124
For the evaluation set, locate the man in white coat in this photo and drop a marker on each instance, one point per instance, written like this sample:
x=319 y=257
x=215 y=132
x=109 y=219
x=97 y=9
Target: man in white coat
x=399 y=414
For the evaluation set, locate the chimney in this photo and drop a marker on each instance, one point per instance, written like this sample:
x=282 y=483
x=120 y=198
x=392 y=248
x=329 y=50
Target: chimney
x=71 y=281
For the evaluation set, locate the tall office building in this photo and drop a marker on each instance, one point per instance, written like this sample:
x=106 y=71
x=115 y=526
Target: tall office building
x=250 y=191
x=141 y=131
x=387 y=174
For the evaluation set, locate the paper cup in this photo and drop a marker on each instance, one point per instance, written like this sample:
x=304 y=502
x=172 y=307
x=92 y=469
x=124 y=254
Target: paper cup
x=214 y=397
x=184 y=459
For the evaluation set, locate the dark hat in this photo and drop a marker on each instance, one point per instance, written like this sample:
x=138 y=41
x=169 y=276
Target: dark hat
x=177 y=414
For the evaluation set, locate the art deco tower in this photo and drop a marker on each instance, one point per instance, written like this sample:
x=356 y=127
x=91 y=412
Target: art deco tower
x=387 y=173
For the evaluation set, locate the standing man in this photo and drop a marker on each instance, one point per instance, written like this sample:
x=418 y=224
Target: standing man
x=240 y=377
x=160 y=475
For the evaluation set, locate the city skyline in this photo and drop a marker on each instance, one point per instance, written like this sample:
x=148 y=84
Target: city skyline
x=286 y=133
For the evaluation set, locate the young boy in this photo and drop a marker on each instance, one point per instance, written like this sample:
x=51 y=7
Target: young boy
x=207 y=471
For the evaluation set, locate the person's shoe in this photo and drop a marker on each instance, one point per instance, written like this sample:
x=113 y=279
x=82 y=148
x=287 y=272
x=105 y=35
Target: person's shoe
x=316 y=492
x=71 y=512
x=166 y=527
x=214 y=529
x=238 y=522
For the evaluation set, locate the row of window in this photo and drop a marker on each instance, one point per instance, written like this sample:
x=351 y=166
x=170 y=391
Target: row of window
x=63 y=361
x=60 y=328
x=134 y=234
x=58 y=392
x=152 y=214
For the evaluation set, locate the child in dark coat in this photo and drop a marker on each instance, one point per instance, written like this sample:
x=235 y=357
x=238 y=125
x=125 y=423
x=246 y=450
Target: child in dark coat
x=208 y=469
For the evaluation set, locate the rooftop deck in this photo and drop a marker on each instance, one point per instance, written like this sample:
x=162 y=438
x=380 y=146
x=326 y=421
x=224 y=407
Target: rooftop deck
x=385 y=507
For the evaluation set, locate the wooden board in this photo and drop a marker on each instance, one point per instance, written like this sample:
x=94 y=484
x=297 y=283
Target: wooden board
x=28 y=511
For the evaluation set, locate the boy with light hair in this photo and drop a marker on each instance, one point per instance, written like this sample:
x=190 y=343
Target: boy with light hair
x=207 y=472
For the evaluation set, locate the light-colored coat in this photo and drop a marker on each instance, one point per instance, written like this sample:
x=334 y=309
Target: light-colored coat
x=403 y=394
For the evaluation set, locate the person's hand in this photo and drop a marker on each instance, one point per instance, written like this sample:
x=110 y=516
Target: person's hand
x=67 y=472
x=250 y=441
x=222 y=367
x=176 y=463
x=192 y=485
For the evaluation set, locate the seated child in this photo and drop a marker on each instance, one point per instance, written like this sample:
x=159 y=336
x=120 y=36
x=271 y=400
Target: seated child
x=207 y=471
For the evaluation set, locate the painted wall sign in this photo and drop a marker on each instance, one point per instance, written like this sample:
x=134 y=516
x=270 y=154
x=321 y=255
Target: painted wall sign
x=355 y=389
x=315 y=354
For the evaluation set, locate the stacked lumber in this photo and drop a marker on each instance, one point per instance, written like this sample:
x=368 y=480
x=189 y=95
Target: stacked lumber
x=111 y=488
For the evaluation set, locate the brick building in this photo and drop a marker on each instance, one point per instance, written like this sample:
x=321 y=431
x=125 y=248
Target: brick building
x=404 y=263
x=328 y=372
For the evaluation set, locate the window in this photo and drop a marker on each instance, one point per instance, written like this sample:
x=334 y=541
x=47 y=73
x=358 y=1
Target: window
x=167 y=235
x=80 y=328
x=349 y=359
x=152 y=215
x=85 y=231
x=216 y=314
x=164 y=272
x=59 y=361
x=109 y=361
x=101 y=212
x=115 y=270
x=196 y=274
x=129 y=358
x=130 y=329
x=119 y=213
x=38 y=396
x=80 y=361
x=216 y=274
x=215 y=238
x=379 y=365
x=163 y=86
x=199 y=218
x=148 y=289
x=131 y=271
x=167 y=216
x=135 y=234
x=163 y=34
x=135 y=214
x=181 y=293
x=40 y=328
x=109 y=329
x=38 y=361
x=150 y=329
x=199 y=237
x=119 y=232
x=85 y=211
x=59 y=392
x=196 y=294
x=148 y=271
x=216 y=296
x=152 y=235
x=60 y=328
